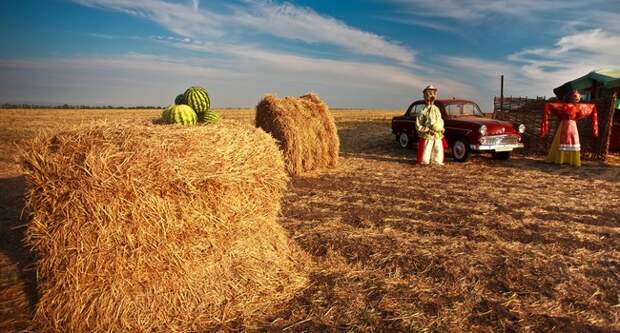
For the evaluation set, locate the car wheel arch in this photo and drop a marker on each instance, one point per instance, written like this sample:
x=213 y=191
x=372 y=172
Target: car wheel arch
x=404 y=139
x=461 y=152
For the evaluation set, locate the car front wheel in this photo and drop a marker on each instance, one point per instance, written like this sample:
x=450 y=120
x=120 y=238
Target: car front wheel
x=501 y=155
x=404 y=141
x=460 y=150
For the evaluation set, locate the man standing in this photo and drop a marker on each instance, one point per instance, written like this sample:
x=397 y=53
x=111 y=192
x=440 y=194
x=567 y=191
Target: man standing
x=429 y=125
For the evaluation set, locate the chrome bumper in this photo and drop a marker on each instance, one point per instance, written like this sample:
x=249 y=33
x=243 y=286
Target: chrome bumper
x=496 y=147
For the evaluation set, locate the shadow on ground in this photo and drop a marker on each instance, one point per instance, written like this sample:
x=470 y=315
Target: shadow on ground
x=12 y=232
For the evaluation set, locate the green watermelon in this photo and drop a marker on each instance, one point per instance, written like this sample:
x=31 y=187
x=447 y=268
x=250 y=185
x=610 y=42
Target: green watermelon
x=180 y=99
x=210 y=117
x=179 y=114
x=164 y=114
x=198 y=99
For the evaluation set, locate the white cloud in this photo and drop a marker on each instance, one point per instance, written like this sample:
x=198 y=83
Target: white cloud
x=266 y=17
x=134 y=62
x=486 y=73
x=572 y=56
x=238 y=79
x=468 y=10
x=594 y=46
x=178 y=18
x=351 y=73
x=415 y=21
x=535 y=72
x=237 y=73
x=305 y=24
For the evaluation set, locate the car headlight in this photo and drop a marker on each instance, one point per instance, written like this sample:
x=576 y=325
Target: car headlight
x=483 y=130
x=521 y=128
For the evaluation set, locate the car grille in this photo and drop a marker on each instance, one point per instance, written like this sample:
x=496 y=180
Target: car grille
x=499 y=140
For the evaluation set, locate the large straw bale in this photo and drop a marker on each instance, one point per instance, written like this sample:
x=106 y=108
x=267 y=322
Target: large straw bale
x=304 y=127
x=158 y=228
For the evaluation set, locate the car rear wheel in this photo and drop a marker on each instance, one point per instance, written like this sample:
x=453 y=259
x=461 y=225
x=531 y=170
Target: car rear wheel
x=404 y=141
x=501 y=155
x=460 y=150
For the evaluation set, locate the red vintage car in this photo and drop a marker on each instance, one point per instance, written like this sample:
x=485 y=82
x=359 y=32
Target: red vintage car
x=467 y=130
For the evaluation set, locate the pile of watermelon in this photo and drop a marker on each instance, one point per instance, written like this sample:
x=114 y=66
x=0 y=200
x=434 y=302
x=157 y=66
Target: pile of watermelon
x=191 y=107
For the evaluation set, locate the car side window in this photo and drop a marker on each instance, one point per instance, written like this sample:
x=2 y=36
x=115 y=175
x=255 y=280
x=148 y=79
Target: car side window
x=415 y=110
x=409 y=110
x=454 y=110
x=468 y=109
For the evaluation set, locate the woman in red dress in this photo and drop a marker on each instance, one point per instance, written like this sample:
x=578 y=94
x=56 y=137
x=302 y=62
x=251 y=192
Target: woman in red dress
x=565 y=147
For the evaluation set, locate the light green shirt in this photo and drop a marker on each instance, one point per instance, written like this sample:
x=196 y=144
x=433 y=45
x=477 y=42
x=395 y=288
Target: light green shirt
x=429 y=123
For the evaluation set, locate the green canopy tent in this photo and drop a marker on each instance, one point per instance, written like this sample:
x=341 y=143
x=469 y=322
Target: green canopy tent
x=598 y=83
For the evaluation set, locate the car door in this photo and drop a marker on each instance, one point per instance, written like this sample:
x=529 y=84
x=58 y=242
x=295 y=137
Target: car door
x=451 y=112
x=411 y=116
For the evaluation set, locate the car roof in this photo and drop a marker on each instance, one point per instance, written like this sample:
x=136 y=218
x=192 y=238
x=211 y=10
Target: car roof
x=448 y=101
x=454 y=100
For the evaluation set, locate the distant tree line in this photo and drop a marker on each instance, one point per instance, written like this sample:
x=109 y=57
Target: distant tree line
x=68 y=106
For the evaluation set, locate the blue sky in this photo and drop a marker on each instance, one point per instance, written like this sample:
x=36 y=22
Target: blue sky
x=364 y=53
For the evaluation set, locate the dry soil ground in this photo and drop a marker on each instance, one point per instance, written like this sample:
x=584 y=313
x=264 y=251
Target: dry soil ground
x=484 y=246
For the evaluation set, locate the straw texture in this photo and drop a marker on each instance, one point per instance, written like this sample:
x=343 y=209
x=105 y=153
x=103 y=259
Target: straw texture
x=304 y=127
x=158 y=228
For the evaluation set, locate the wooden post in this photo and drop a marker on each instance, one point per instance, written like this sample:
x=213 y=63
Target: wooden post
x=501 y=95
x=606 y=133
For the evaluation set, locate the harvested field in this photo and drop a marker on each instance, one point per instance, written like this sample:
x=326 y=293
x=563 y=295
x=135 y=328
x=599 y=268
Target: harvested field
x=485 y=246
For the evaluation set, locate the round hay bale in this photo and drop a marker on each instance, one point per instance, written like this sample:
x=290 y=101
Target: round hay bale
x=305 y=129
x=158 y=228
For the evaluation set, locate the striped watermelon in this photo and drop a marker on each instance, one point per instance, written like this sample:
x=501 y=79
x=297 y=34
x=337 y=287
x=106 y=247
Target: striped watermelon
x=180 y=99
x=198 y=99
x=165 y=113
x=179 y=114
x=210 y=117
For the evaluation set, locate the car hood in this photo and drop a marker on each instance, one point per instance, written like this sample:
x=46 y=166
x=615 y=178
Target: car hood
x=494 y=126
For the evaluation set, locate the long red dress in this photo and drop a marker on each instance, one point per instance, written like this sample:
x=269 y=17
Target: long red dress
x=566 y=147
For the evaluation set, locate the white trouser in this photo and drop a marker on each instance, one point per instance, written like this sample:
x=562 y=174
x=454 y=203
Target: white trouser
x=433 y=152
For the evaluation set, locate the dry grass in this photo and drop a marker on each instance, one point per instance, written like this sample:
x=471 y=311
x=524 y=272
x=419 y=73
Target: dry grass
x=485 y=246
x=305 y=130
x=157 y=228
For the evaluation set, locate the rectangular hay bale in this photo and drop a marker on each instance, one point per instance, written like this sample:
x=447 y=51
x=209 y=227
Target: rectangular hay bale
x=158 y=228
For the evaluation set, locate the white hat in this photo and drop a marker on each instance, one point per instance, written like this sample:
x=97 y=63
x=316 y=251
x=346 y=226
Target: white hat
x=430 y=87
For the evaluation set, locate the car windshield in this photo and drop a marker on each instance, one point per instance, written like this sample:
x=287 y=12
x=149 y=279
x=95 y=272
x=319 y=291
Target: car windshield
x=460 y=109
